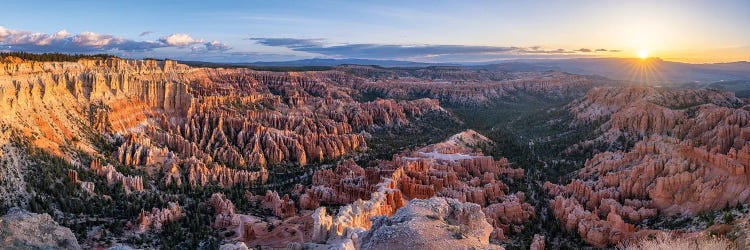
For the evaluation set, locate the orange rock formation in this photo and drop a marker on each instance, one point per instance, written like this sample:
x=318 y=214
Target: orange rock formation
x=693 y=156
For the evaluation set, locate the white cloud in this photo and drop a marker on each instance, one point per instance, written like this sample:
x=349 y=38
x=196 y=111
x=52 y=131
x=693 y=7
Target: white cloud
x=3 y=33
x=95 y=40
x=179 y=40
x=18 y=37
x=85 y=42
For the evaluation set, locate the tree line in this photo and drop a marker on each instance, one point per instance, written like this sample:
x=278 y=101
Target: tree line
x=54 y=57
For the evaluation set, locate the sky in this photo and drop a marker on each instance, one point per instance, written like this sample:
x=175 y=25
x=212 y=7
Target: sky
x=425 y=31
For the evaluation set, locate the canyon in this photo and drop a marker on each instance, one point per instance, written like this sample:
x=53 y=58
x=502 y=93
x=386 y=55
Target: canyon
x=157 y=152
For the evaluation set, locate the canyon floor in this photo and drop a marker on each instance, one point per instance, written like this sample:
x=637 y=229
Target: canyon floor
x=109 y=152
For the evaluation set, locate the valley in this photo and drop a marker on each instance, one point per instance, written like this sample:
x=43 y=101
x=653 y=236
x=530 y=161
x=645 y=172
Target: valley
x=160 y=154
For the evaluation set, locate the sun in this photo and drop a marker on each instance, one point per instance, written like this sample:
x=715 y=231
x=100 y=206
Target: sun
x=643 y=54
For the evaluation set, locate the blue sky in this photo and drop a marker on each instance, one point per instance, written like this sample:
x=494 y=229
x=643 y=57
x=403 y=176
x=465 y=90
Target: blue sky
x=435 y=31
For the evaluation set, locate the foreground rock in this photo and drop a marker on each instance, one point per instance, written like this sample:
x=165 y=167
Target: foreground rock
x=436 y=223
x=453 y=170
x=23 y=230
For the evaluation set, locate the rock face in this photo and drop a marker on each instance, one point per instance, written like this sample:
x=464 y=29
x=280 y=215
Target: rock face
x=85 y=185
x=707 y=117
x=23 y=230
x=468 y=87
x=436 y=223
x=57 y=99
x=601 y=102
x=224 y=209
x=692 y=156
x=453 y=169
x=12 y=181
x=129 y=183
x=157 y=217
x=282 y=207
x=537 y=243
x=195 y=125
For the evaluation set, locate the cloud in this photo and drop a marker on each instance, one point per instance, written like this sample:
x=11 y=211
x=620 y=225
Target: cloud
x=289 y=42
x=376 y=50
x=63 y=41
x=179 y=40
x=9 y=36
x=146 y=33
x=216 y=45
x=601 y=50
x=540 y=50
x=394 y=51
x=90 y=42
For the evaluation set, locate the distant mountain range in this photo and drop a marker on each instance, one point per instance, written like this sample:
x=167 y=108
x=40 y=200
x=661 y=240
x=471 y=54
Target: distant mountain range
x=337 y=62
x=653 y=70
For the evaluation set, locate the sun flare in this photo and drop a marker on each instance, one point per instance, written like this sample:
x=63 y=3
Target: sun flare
x=643 y=54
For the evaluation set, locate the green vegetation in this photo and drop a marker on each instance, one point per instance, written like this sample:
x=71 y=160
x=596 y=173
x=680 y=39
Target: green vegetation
x=430 y=128
x=533 y=132
x=54 y=57
x=741 y=88
x=111 y=208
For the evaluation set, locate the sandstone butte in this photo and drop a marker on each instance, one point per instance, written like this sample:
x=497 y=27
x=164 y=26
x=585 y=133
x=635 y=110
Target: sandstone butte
x=451 y=169
x=692 y=155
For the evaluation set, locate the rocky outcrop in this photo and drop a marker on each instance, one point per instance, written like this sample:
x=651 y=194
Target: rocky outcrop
x=88 y=187
x=234 y=246
x=12 y=170
x=224 y=209
x=471 y=88
x=201 y=174
x=357 y=216
x=511 y=211
x=386 y=186
x=436 y=223
x=657 y=168
x=537 y=243
x=658 y=176
x=197 y=125
x=593 y=229
x=137 y=150
x=282 y=207
x=129 y=183
x=157 y=217
x=23 y=230
x=601 y=102
x=692 y=156
x=56 y=97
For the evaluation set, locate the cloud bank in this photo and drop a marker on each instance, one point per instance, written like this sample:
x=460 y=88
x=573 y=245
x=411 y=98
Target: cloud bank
x=414 y=52
x=90 y=42
x=186 y=47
